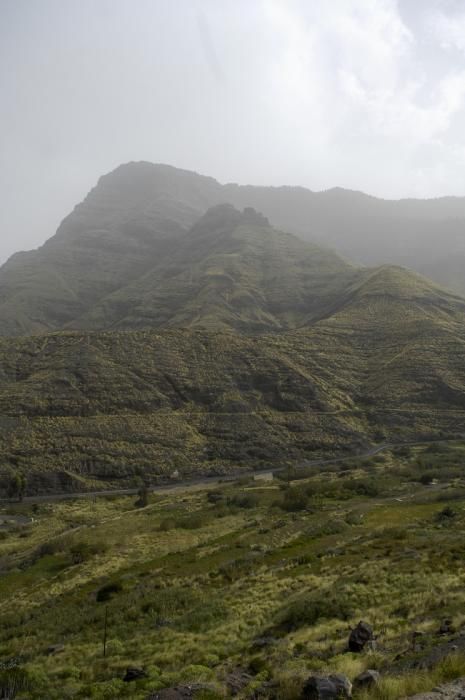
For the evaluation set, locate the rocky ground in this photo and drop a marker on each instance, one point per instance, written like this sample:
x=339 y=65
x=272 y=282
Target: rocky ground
x=448 y=691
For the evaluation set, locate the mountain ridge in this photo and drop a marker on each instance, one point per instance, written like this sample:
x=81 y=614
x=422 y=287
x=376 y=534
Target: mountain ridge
x=211 y=346
x=137 y=219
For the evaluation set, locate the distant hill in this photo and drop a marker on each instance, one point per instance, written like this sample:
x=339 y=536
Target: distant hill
x=113 y=247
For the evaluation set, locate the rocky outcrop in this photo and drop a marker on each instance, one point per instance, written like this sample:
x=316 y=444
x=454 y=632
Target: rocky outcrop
x=333 y=687
x=367 y=679
x=447 y=691
x=360 y=637
x=237 y=680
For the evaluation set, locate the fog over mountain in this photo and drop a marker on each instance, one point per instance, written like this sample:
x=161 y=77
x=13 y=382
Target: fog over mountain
x=154 y=246
x=367 y=96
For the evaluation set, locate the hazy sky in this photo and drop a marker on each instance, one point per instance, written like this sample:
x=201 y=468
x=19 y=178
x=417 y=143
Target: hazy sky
x=365 y=94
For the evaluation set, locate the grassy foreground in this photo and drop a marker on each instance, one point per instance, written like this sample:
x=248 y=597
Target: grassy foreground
x=267 y=577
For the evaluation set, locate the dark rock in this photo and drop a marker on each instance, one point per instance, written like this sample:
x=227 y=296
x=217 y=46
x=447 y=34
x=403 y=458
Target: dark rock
x=446 y=627
x=237 y=680
x=367 y=679
x=334 y=687
x=134 y=674
x=360 y=636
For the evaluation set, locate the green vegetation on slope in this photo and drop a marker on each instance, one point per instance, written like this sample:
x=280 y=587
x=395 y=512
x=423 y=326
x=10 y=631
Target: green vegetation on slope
x=80 y=407
x=124 y=257
x=232 y=271
x=202 y=583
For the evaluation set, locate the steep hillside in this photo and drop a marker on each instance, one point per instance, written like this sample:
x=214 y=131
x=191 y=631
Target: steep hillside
x=232 y=271
x=77 y=408
x=207 y=342
x=126 y=224
x=113 y=246
x=425 y=235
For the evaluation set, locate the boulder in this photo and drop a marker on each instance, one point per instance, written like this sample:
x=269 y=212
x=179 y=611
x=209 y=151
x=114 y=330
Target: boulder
x=360 y=636
x=237 y=680
x=446 y=627
x=134 y=674
x=333 y=687
x=367 y=679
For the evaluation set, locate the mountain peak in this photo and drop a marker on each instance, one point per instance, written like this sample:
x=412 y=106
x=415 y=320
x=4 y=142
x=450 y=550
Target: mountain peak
x=225 y=215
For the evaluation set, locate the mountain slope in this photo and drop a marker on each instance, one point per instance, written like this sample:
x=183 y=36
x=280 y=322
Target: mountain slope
x=387 y=364
x=138 y=215
x=412 y=233
x=207 y=342
x=232 y=271
x=126 y=224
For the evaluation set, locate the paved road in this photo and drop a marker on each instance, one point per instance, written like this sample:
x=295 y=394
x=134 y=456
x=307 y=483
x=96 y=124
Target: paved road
x=205 y=481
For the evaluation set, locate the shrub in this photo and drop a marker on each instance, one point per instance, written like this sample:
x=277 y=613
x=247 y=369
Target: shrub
x=108 y=591
x=237 y=568
x=363 y=487
x=83 y=551
x=14 y=680
x=167 y=524
x=142 y=497
x=170 y=603
x=49 y=548
x=204 y=616
x=310 y=609
x=214 y=496
x=294 y=500
x=245 y=500
x=446 y=514
x=194 y=521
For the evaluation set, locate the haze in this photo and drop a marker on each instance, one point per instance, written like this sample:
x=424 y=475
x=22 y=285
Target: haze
x=364 y=94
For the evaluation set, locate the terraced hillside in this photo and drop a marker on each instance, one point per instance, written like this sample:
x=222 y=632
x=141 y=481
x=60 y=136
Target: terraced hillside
x=81 y=408
x=225 y=346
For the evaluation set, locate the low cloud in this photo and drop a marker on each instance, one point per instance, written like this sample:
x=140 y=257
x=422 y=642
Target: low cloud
x=366 y=95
